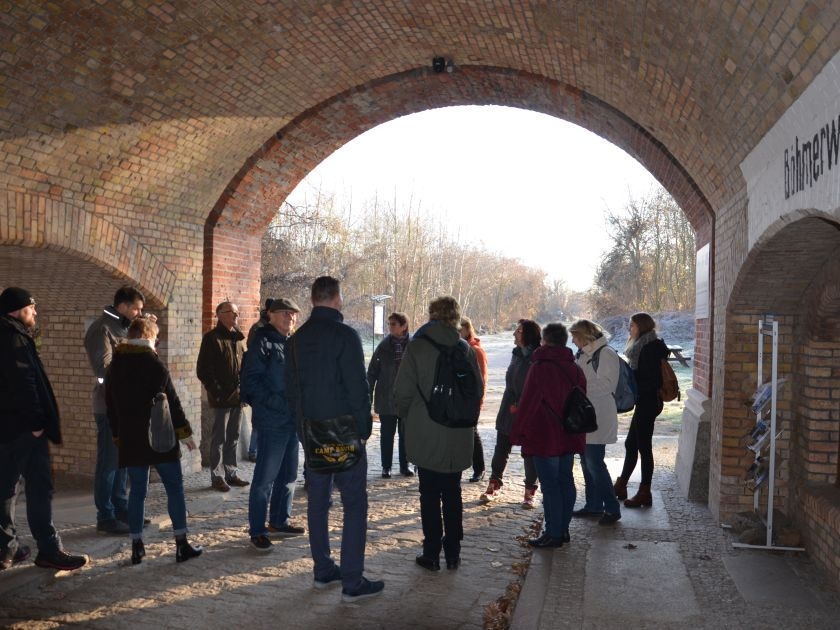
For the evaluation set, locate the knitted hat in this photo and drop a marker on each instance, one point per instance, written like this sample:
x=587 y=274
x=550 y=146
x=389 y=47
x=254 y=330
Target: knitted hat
x=13 y=299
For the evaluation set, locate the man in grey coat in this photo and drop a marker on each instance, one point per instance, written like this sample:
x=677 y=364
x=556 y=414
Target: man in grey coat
x=101 y=339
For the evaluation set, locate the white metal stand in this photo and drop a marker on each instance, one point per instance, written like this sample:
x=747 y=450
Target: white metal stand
x=766 y=329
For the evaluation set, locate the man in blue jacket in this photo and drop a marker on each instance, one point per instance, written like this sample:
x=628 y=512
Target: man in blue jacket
x=263 y=386
x=28 y=418
x=326 y=378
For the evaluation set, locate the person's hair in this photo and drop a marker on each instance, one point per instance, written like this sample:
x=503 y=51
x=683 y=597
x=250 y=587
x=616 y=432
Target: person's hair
x=530 y=332
x=467 y=325
x=325 y=288
x=555 y=334
x=142 y=328
x=268 y=302
x=222 y=305
x=589 y=331
x=127 y=295
x=400 y=318
x=644 y=322
x=445 y=309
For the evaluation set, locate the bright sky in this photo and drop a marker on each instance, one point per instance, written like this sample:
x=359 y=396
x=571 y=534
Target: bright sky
x=524 y=184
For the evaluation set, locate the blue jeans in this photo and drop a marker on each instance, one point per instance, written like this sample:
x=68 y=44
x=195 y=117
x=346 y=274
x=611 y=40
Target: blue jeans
x=252 y=445
x=352 y=484
x=173 y=481
x=27 y=456
x=223 y=441
x=600 y=495
x=274 y=475
x=109 y=481
x=558 y=490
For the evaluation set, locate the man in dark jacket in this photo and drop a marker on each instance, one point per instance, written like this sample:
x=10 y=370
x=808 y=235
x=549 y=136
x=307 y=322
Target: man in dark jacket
x=325 y=377
x=101 y=340
x=262 y=322
x=219 y=362
x=28 y=418
x=264 y=388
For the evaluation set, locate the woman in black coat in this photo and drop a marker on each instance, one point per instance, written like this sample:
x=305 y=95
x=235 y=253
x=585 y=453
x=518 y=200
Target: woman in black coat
x=136 y=375
x=644 y=352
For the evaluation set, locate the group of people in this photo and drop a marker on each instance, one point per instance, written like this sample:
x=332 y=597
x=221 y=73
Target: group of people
x=318 y=371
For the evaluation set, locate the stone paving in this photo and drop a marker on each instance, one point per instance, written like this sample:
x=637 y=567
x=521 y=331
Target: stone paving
x=670 y=566
x=231 y=585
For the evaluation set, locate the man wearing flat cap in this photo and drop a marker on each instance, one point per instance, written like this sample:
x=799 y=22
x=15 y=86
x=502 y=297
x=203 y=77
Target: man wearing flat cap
x=263 y=387
x=28 y=418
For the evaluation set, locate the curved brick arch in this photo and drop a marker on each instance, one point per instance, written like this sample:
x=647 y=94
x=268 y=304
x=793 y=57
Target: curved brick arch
x=32 y=220
x=235 y=225
x=267 y=178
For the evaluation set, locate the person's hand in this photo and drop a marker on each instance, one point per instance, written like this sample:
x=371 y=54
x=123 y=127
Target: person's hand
x=150 y=316
x=38 y=433
x=189 y=443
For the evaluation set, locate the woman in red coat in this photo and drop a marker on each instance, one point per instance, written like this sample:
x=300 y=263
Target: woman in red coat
x=539 y=431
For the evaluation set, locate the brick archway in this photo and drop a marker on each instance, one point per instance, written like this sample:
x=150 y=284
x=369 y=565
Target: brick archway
x=234 y=227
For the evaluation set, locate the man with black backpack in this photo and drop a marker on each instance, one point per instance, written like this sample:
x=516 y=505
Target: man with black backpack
x=438 y=392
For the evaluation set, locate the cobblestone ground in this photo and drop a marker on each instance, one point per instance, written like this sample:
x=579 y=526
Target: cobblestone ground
x=232 y=586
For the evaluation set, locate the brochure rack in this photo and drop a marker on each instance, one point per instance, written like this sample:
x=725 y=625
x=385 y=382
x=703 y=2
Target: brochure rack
x=762 y=439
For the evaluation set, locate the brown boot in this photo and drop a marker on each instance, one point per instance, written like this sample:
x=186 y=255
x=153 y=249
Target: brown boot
x=620 y=488
x=641 y=499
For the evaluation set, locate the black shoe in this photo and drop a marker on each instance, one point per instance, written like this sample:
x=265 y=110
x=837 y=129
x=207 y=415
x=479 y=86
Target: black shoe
x=432 y=564
x=406 y=472
x=584 y=513
x=60 y=561
x=184 y=550
x=545 y=542
x=453 y=563
x=288 y=530
x=609 y=519
x=368 y=588
x=477 y=477
x=219 y=484
x=386 y=473
x=261 y=543
x=112 y=527
x=138 y=551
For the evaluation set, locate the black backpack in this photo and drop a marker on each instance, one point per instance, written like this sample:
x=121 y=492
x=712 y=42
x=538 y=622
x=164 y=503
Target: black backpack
x=456 y=392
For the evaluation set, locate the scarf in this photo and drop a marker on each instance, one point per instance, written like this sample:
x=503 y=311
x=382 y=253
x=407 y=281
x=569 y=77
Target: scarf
x=635 y=349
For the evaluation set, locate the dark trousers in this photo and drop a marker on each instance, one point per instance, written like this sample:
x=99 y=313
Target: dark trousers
x=639 y=442
x=478 y=454
x=440 y=495
x=500 y=460
x=388 y=426
x=27 y=456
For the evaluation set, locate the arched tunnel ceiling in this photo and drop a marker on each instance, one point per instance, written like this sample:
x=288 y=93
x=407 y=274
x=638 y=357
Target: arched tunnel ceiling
x=152 y=109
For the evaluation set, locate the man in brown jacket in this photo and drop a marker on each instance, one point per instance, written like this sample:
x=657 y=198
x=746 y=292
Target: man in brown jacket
x=219 y=362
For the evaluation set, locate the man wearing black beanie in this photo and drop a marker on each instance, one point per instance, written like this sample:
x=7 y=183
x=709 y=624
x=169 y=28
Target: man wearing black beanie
x=28 y=418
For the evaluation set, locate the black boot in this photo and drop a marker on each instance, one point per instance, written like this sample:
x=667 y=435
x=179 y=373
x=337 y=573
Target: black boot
x=138 y=551
x=184 y=551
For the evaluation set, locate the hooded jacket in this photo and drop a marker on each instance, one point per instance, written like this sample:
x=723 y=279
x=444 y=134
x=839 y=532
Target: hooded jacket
x=428 y=444
x=264 y=379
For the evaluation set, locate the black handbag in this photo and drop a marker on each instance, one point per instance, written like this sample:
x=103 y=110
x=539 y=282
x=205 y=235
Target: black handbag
x=330 y=445
x=579 y=414
x=161 y=431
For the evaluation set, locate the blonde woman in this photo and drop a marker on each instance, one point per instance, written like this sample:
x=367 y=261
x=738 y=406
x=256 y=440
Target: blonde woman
x=600 y=365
